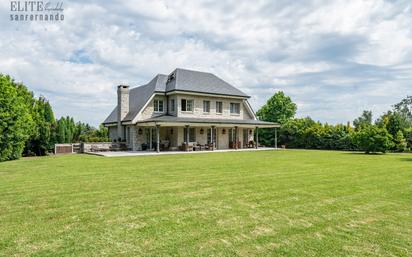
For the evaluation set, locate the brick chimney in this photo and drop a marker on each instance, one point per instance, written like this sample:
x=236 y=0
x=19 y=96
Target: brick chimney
x=122 y=108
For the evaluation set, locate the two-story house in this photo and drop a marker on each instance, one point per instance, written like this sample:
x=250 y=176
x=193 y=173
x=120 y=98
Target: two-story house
x=184 y=110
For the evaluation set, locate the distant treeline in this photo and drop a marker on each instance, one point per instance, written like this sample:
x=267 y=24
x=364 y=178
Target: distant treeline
x=28 y=126
x=392 y=131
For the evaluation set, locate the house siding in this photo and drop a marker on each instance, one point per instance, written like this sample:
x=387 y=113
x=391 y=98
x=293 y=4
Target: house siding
x=139 y=139
x=172 y=97
x=148 y=111
x=198 y=108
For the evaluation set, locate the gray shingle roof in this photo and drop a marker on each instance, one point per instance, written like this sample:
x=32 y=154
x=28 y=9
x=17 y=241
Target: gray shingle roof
x=203 y=82
x=183 y=80
x=112 y=118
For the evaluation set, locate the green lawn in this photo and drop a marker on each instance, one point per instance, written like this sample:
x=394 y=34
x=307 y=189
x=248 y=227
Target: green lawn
x=293 y=203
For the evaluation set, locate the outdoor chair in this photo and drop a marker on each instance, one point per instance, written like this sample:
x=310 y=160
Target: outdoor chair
x=187 y=147
x=200 y=147
x=165 y=145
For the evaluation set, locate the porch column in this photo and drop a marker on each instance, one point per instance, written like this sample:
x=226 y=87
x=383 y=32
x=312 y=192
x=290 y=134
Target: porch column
x=158 y=138
x=133 y=136
x=187 y=137
x=217 y=138
x=257 y=137
x=150 y=139
x=236 y=138
x=211 y=138
x=276 y=138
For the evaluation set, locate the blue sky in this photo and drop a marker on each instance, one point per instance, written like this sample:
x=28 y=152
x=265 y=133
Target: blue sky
x=334 y=58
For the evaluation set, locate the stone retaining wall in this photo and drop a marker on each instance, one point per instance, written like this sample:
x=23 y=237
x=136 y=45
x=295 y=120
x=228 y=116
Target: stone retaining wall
x=102 y=147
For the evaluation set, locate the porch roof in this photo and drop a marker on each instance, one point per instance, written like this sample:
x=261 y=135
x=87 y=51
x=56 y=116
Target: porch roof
x=180 y=121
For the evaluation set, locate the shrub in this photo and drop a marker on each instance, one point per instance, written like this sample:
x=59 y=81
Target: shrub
x=373 y=139
x=400 y=142
x=408 y=137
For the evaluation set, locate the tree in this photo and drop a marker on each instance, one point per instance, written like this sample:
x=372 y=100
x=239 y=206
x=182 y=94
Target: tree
x=70 y=129
x=291 y=133
x=15 y=118
x=401 y=144
x=363 y=121
x=103 y=132
x=43 y=139
x=28 y=126
x=394 y=121
x=61 y=130
x=70 y=132
x=408 y=137
x=313 y=136
x=405 y=106
x=279 y=108
x=373 y=139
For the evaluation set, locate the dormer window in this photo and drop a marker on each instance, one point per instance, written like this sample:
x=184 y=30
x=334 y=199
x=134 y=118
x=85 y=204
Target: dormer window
x=170 y=78
x=158 y=105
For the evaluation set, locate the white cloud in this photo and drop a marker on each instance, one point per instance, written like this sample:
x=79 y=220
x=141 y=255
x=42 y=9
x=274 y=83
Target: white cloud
x=334 y=58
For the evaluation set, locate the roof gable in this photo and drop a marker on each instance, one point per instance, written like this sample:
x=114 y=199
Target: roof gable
x=139 y=96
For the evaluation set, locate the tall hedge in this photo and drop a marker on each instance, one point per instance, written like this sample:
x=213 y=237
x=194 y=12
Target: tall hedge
x=16 y=123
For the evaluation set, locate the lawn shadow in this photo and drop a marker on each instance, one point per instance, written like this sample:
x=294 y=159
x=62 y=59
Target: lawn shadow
x=363 y=153
x=406 y=159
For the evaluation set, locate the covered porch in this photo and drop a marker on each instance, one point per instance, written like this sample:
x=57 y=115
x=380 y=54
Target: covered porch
x=169 y=133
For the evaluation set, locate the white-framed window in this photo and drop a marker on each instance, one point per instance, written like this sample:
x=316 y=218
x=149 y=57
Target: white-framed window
x=158 y=105
x=192 y=135
x=187 y=105
x=219 y=107
x=234 y=108
x=172 y=105
x=206 y=106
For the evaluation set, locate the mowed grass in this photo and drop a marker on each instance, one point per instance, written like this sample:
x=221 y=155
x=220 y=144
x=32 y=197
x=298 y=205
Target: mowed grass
x=267 y=203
